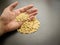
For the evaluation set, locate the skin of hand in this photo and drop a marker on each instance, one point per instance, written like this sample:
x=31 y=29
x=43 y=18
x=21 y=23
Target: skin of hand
x=7 y=18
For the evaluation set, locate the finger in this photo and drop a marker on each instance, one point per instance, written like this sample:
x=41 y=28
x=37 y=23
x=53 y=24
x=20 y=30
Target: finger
x=25 y=8
x=31 y=18
x=33 y=14
x=13 y=5
x=31 y=10
x=13 y=26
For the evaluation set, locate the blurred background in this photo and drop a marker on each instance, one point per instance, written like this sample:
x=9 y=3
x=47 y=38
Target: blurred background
x=49 y=17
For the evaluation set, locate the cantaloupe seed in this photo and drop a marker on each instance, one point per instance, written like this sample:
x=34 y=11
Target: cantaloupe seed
x=28 y=26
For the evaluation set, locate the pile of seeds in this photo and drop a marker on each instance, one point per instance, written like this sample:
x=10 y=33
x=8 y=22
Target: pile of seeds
x=28 y=26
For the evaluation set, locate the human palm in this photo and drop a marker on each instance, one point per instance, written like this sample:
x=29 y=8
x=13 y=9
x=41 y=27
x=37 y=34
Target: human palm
x=9 y=14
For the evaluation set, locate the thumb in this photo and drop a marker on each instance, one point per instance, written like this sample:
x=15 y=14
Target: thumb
x=13 y=5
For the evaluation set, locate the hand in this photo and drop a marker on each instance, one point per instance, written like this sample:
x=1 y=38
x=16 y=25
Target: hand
x=9 y=14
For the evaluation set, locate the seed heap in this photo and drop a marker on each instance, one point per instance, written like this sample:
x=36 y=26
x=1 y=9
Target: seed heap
x=28 y=26
x=22 y=17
